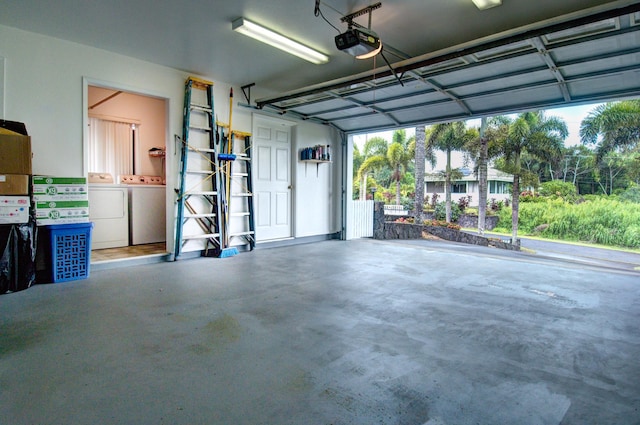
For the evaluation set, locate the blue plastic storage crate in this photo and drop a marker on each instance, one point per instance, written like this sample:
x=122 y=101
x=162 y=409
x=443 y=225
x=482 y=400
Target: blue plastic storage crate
x=70 y=251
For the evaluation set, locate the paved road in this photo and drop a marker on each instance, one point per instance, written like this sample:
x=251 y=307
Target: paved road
x=594 y=256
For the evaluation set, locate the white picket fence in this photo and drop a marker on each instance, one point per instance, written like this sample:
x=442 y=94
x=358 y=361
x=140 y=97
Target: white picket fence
x=360 y=219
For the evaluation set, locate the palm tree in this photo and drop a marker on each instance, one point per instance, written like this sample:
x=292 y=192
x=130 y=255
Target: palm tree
x=374 y=155
x=370 y=164
x=612 y=126
x=449 y=137
x=482 y=150
x=375 y=146
x=379 y=155
x=483 y=159
x=535 y=134
x=420 y=158
x=358 y=159
x=399 y=155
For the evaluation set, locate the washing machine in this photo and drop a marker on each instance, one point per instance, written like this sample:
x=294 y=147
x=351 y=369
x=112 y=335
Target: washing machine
x=147 y=208
x=109 y=212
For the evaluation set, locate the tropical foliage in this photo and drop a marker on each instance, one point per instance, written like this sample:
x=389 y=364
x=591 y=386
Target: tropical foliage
x=588 y=192
x=612 y=127
x=608 y=161
x=389 y=163
x=558 y=189
x=420 y=150
x=632 y=194
x=600 y=220
x=442 y=213
x=449 y=137
x=529 y=133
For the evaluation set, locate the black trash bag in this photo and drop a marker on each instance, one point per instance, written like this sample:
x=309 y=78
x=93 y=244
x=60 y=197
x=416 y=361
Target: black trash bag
x=15 y=126
x=18 y=255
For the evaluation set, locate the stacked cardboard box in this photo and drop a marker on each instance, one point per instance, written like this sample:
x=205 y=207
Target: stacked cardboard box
x=14 y=209
x=15 y=170
x=61 y=200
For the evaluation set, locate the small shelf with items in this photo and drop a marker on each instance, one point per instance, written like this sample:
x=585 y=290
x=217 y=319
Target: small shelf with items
x=159 y=152
x=316 y=161
x=317 y=154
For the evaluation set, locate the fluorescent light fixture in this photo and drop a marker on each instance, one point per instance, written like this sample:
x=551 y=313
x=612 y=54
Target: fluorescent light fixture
x=281 y=42
x=486 y=4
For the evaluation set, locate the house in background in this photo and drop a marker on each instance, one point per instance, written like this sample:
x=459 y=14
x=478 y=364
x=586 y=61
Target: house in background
x=499 y=186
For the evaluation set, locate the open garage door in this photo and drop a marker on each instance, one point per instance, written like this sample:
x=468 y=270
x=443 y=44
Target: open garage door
x=571 y=60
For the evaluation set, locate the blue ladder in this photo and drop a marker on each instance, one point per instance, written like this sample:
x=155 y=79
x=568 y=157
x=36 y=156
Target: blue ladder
x=198 y=197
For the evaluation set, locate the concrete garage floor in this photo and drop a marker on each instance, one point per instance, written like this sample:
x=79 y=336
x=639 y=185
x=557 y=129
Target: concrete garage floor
x=358 y=332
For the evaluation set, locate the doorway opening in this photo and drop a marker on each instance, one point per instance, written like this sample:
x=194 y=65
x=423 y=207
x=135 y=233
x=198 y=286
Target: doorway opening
x=125 y=150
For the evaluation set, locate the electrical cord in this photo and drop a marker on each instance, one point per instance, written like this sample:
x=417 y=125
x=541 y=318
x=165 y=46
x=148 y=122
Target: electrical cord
x=318 y=12
x=399 y=78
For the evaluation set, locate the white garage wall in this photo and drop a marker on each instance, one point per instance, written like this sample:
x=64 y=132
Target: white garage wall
x=317 y=186
x=44 y=82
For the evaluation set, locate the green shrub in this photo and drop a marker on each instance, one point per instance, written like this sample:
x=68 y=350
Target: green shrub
x=495 y=205
x=601 y=220
x=529 y=196
x=632 y=194
x=631 y=236
x=434 y=200
x=504 y=220
x=408 y=203
x=559 y=189
x=591 y=197
x=441 y=211
x=463 y=203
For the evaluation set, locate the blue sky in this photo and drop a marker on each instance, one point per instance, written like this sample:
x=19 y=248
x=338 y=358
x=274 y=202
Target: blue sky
x=573 y=116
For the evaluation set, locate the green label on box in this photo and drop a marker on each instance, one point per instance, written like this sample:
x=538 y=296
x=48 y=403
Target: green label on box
x=54 y=190
x=43 y=205
x=61 y=213
x=58 y=180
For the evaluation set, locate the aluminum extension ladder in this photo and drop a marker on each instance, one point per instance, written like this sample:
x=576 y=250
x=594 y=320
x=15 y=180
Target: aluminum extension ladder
x=198 y=197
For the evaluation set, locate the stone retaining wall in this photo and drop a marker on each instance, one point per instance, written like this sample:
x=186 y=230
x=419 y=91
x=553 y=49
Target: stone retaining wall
x=470 y=221
x=385 y=227
x=414 y=231
x=465 y=220
x=392 y=230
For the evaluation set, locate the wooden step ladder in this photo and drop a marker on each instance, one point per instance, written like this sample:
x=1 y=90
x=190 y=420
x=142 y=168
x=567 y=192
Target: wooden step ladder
x=198 y=221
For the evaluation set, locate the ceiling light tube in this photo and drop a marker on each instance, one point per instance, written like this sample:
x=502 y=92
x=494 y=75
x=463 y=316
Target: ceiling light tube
x=276 y=40
x=486 y=4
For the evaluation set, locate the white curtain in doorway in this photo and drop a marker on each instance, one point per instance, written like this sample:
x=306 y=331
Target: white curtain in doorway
x=110 y=147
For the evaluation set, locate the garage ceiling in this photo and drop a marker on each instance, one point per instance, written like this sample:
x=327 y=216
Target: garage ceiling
x=451 y=60
x=589 y=59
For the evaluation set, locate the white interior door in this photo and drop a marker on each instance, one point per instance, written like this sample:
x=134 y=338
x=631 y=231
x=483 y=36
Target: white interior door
x=272 y=179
